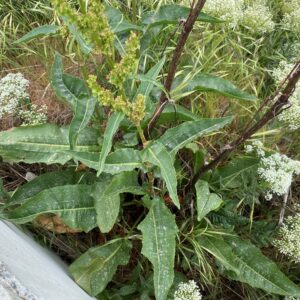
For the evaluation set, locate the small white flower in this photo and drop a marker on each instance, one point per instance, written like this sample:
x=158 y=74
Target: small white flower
x=227 y=10
x=188 y=291
x=291 y=17
x=288 y=241
x=258 y=18
x=257 y=147
x=277 y=172
x=290 y=116
x=12 y=89
x=34 y=116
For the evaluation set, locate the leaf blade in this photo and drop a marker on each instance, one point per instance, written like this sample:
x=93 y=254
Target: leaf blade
x=95 y=268
x=205 y=201
x=107 y=197
x=211 y=83
x=171 y=14
x=45 y=143
x=84 y=109
x=159 y=231
x=72 y=203
x=111 y=128
x=177 y=137
x=40 y=31
x=158 y=155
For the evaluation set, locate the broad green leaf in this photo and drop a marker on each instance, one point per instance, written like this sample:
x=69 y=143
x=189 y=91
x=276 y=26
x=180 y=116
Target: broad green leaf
x=107 y=197
x=48 y=180
x=41 y=31
x=95 y=268
x=227 y=175
x=259 y=271
x=159 y=232
x=45 y=143
x=118 y=22
x=84 y=46
x=159 y=156
x=217 y=247
x=111 y=128
x=73 y=203
x=171 y=113
x=211 y=83
x=84 y=109
x=178 y=137
x=172 y=14
x=116 y=162
x=146 y=87
x=206 y=202
x=67 y=87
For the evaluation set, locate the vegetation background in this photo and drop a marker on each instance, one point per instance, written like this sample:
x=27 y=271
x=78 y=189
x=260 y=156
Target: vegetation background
x=246 y=53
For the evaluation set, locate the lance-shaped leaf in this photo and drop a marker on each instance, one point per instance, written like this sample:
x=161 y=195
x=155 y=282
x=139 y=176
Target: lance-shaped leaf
x=95 y=268
x=117 y=21
x=45 y=143
x=178 y=137
x=218 y=248
x=85 y=47
x=146 y=87
x=159 y=156
x=84 y=109
x=41 y=31
x=170 y=114
x=159 y=232
x=107 y=197
x=111 y=128
x=116 y=162
x=172 y=14
x=49 y=180
x=257 y=270
x=206 y=202
x=66 y=87
x=73 y=203
x=73 y=91
x=229 y=175
x=212 y=83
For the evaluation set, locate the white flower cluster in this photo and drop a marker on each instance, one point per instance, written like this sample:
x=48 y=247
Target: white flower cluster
x=228 y=10
x=188 y=291
x=291 y=17
x=277 y=172
x=12 y=89
x=288 y=241
x=34 y=116
x=256 y=16
x=290 y=116
x=257 y=147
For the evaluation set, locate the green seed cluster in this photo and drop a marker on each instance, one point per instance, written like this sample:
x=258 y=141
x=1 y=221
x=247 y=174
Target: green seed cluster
x=128 y=63
x=93 y=24
x=135 y=111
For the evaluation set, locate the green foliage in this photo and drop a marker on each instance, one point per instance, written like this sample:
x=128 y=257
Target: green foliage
x=130 y=184
x=41 y=31
x=111 y=128
x=247 y=264
x=206 y=202
x=159 y=231
x=107 y=197
x=95 y=268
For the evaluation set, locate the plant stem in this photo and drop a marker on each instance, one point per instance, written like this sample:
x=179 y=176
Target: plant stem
x=185 y=32
x=280 y=100
x=134 y=11
x=141 y=134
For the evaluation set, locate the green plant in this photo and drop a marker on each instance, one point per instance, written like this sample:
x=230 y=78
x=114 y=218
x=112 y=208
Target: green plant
x=128 y=154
